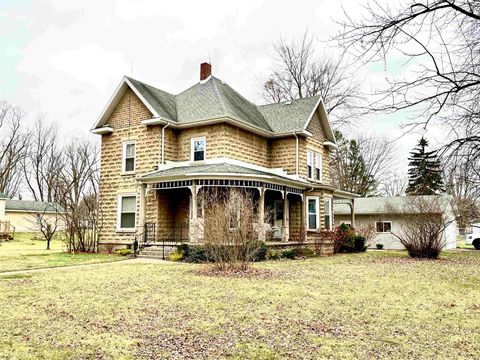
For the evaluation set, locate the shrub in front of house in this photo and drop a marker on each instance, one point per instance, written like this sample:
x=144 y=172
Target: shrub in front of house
x=379 y=246
x=124 y=252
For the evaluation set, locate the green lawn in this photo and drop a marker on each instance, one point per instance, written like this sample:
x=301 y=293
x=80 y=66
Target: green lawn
x=372 y=305
x=29 y=252
x=461 y=243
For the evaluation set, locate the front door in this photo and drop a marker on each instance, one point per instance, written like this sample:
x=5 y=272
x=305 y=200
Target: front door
x=277 y=219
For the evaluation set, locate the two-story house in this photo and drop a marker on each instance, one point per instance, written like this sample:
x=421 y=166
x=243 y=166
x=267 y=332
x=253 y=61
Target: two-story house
x=160 y=152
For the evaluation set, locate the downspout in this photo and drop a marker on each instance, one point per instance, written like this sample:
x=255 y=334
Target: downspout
x=163 y=143
x=296 y=153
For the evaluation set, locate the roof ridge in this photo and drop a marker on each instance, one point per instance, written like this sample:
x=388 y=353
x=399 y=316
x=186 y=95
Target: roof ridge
x=217 y=93
x=286 y=101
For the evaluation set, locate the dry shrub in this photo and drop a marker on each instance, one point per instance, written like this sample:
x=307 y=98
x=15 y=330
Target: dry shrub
x=326 y=237
x=422 y=231
x=231 y=236
x=368 y=231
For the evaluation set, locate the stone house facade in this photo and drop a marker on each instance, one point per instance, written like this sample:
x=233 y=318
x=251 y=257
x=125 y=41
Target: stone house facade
x=160 y=152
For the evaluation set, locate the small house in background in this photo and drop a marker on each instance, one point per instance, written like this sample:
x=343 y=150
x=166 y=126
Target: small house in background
x=387 y=215
x=25 y=215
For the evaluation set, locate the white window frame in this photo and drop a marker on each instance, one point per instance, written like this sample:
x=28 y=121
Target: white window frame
x=330 y=214
x=124 y=156
x=311 y=163
x=319 y=166
x=317 y=210
x=383 y=232
x=192 y=152
x=119 y=212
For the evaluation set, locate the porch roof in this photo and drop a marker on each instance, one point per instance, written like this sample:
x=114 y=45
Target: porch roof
x=217 y=170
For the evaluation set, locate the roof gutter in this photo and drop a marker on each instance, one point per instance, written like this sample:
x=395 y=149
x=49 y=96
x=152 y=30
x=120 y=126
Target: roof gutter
x=163 y=142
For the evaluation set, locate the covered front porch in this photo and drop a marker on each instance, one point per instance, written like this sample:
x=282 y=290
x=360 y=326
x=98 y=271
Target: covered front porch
x=179 y=212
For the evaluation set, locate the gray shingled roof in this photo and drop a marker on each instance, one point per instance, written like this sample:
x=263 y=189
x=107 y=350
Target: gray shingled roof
x=161 y=101
x=215 y=99
x=31 y=206
x=289 y=115
x=221 y=168
x=379 y=205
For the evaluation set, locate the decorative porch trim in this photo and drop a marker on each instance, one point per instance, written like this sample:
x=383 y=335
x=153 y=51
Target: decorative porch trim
x=173 y=184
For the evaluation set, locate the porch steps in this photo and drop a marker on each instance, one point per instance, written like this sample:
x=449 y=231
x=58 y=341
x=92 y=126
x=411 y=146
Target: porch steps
x=157 y=251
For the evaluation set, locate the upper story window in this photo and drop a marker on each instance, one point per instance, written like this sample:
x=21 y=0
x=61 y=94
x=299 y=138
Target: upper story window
x=312 y=213
x=328 y=213
x=310 y=160
x=198 y=146
x=318 y=167
x=383 y=226
x=127 y=205
x=128 y=156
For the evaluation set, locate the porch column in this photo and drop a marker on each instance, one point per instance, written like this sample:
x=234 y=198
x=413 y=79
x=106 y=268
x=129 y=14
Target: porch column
x=192 y=228
x=261 y=215
x=352 y=214
x=285 y=219
x=143 y=206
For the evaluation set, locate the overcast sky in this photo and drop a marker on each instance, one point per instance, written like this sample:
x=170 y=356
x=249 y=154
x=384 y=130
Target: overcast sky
x=65 y=58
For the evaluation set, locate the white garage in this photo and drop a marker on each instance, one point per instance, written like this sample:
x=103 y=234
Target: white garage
x=388 y=215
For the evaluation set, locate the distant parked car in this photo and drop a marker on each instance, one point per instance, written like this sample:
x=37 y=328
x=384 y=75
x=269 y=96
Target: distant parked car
x=473 y=238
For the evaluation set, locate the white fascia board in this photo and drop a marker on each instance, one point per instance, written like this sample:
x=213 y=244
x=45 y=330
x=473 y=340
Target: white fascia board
x=154 y=121
x=102 y=130
x=324 y=120
x=330 y=144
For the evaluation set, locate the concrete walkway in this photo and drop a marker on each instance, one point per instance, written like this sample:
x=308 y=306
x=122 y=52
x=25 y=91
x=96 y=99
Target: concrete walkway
x=66 y=267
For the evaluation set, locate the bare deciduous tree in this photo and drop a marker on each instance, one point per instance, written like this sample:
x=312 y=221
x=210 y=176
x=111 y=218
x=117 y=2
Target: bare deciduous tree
x=43 y=163
x=13 y=145
x=47 y=221
x=394 y=186
x=422 y=232
x=440 y=41
x=230 y=234
x=299 y=72
x=78 y=196
x=360 y=165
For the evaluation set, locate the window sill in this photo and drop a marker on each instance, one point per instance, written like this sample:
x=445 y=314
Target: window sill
x=130 y=230
x=127 y=173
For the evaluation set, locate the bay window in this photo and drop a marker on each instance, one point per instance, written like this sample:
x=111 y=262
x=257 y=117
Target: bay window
x=310 y=160
x=328 y=213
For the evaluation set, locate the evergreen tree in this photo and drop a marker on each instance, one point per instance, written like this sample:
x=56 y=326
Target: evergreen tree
x=424 y=173
x=349 y=171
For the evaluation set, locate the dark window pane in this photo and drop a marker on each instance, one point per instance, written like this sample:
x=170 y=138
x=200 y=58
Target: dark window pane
x=387 y=227
x=379 y=227
x=130 y=164
x=309 y=171
x=318 y=174
x=127 y=220
x=312 y=221
x=312 y=208
x=198 y=155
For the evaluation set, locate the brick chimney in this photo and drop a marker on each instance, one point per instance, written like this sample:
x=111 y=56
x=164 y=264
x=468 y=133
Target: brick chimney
x=205 y=71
